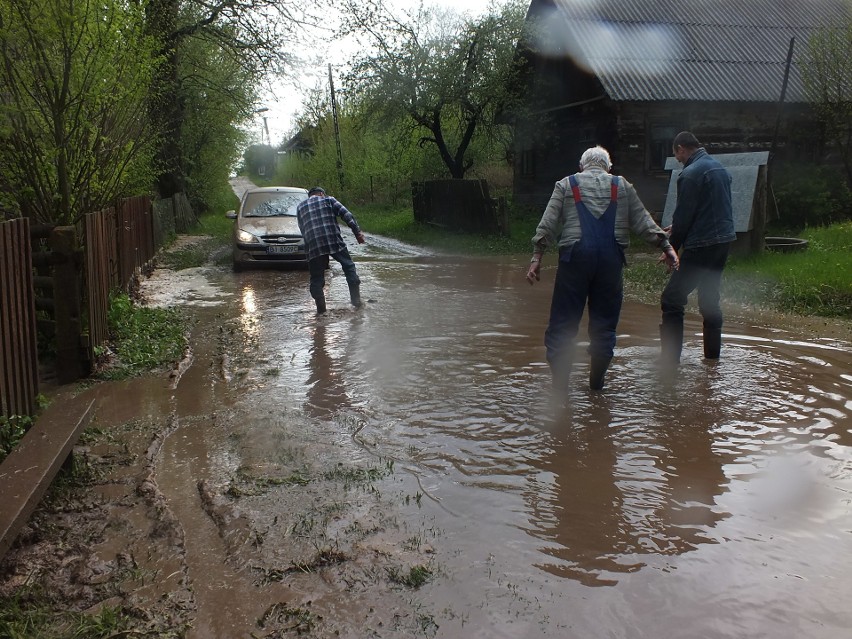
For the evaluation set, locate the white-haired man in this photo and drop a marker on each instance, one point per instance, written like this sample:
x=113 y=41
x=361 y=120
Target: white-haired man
x=589 y=217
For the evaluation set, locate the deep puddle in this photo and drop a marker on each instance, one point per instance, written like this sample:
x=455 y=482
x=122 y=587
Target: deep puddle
x=716 y=504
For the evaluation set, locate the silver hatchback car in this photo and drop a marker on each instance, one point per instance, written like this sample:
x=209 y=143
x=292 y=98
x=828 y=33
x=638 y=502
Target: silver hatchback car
x=265 y=228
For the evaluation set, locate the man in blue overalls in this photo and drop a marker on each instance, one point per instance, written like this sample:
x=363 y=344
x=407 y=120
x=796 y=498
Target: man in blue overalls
x=589 y=217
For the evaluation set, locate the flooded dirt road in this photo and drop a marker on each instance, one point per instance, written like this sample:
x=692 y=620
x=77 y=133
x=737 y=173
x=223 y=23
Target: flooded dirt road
x=399 y=470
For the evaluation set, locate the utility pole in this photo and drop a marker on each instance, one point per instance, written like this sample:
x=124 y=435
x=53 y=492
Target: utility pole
x=336 y=130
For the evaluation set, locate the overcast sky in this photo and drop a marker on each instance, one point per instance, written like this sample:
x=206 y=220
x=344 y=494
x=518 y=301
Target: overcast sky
x=287 y=98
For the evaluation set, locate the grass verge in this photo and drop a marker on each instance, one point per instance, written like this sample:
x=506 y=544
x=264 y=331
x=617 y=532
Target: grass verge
x=142 y=338
x=399 y=223
x=817 y=281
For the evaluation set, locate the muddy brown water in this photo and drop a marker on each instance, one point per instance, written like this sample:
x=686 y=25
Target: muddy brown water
x=712 y=504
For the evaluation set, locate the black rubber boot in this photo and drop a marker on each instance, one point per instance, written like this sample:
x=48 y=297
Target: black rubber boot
x=560 y=376
x=355 y=295
x=560 y=371
x=597 y=372
x=671 y=343
x=712 y=341
x=320 y=305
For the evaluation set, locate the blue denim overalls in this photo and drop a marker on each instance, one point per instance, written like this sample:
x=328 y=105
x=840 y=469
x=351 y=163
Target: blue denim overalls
x=590 y=269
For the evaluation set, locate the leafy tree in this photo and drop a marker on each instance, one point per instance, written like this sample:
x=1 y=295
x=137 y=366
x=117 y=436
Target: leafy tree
x=827 y=73
x=73 y=132
x=450 y=77
x=250 y=35
x=217 y=91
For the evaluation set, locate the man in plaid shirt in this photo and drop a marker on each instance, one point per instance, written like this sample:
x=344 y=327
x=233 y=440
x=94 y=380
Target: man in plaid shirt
x=317 y=217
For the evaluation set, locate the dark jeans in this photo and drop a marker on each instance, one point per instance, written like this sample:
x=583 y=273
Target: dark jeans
x=318 y=265
x=700 y=268
x=585 y=277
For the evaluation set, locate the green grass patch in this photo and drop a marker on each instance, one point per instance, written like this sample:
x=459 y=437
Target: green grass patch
x=358 y=476
x=29 y=613
x=142 y=338
x=399 y=223
x=216 y=225
x=414 y=578
x=817 y=281
x=190 y=256
x=219 y=230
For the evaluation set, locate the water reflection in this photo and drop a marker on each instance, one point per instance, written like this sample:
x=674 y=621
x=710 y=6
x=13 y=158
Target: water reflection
x=249 y=317
x=326 y=392
x=627 y=477
x=581 y=508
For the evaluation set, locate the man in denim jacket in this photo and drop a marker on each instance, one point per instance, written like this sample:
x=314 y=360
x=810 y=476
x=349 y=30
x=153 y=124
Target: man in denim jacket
x=702 y=230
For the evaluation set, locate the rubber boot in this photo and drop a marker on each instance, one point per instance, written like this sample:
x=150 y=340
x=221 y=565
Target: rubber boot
x=320 y=304
x=671 y=343
x=597 y=372
x=560 y=376
x=560 y=371
x=355 y=295
x=712 y=341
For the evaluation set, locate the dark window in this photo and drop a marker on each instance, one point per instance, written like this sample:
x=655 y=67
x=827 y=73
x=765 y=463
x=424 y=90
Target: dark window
x=661 y=145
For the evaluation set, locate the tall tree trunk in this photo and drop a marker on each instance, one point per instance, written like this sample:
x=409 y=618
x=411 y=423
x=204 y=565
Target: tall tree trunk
x=166 y=108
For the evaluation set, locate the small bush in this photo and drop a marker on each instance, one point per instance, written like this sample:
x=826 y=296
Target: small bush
x=809 y=196
x=12 y=430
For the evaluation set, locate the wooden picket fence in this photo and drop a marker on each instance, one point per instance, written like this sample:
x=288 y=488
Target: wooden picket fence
x=19 y=352
x=68 y=297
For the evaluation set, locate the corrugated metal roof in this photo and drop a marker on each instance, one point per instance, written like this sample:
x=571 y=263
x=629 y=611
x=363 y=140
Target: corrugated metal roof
x=705 y=50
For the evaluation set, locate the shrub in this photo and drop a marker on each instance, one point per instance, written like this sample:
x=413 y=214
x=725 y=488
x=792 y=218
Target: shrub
x=809 y=195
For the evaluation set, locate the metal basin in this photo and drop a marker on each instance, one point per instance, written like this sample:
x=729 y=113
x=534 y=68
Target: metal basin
x=786 y=244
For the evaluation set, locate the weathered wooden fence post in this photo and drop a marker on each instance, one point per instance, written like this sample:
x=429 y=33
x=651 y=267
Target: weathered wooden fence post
x=67 y=308
x=18 y=351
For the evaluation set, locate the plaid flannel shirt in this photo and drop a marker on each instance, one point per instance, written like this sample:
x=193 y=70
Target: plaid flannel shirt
x=317 y=217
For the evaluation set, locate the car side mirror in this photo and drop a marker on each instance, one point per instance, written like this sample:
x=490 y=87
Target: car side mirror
x=231 y=215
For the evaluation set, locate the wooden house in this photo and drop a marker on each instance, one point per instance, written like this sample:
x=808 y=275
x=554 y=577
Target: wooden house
x=630 y=74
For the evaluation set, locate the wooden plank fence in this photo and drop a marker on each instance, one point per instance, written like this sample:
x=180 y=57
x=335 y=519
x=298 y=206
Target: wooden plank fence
x=19 y=356
x=101 y=273
x=117 y=244
x=120 y=243
x=79 y=268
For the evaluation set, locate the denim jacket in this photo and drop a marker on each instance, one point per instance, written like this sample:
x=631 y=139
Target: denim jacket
x=703 y=215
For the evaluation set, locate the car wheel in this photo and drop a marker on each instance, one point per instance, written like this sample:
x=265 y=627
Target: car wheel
x=237 y=267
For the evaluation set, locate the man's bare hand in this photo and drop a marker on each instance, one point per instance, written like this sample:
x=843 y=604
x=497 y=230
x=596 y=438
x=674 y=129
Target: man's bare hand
x=670 y=259
x=534 y=273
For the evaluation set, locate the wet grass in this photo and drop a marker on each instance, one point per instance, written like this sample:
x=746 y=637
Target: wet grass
x=399 y=223
x=414 y=578
x=817 y=281
x=323 y=558
x=192 y=255
x=244 y=484
x=31 y=613
x=289 y=619
x=353 y=476
x=141 y=339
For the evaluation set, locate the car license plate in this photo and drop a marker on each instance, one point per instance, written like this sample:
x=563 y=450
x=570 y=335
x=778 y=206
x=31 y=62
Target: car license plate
x=290 y=248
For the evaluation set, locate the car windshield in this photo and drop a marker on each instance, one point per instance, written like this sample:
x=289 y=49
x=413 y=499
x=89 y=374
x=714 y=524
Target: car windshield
x=272 y=204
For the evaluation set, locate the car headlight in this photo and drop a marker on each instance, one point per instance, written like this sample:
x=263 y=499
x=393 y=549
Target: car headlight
x=246 y=238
